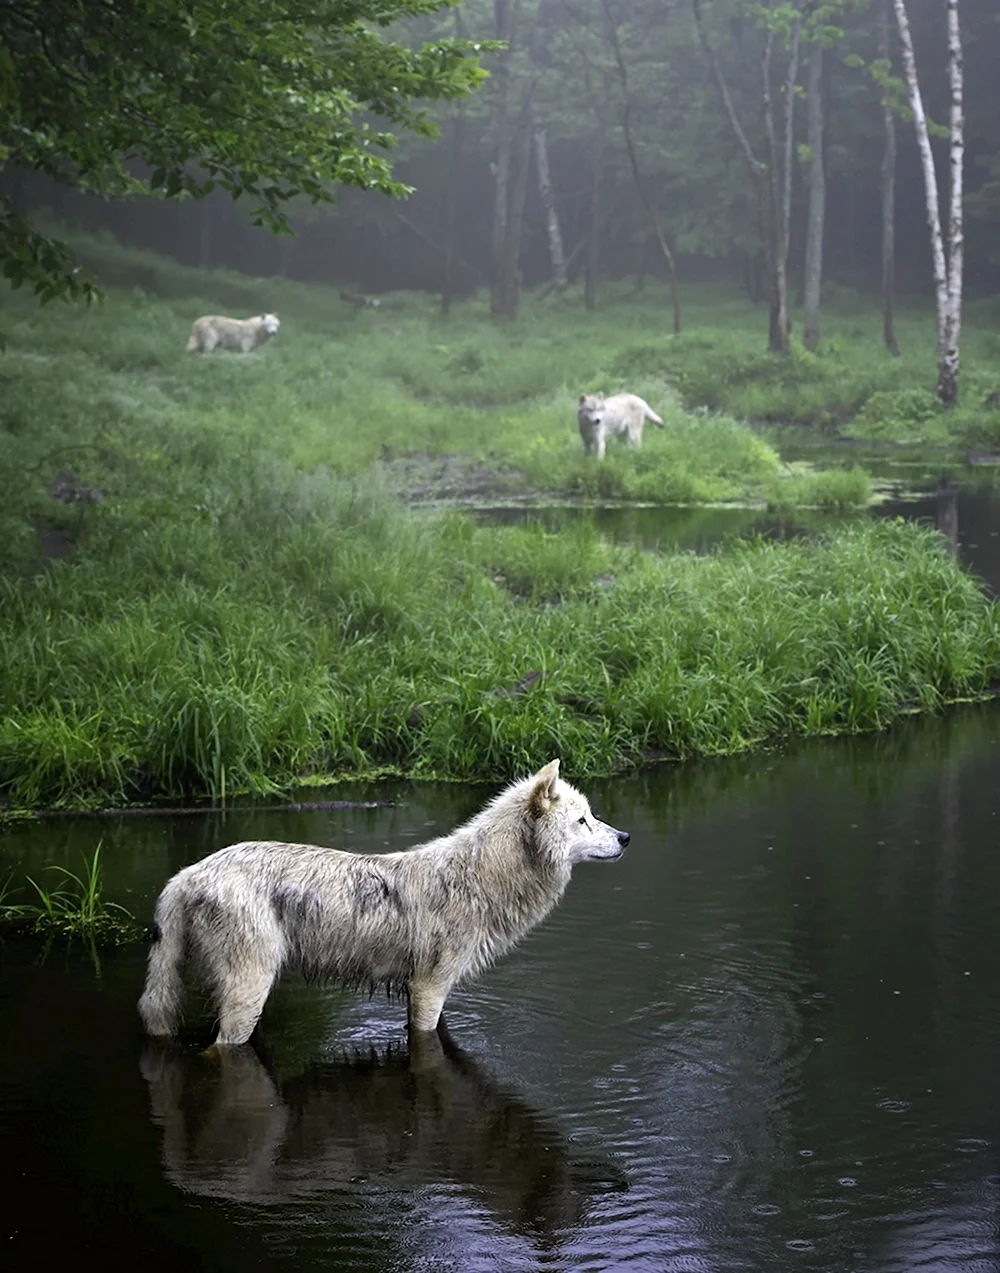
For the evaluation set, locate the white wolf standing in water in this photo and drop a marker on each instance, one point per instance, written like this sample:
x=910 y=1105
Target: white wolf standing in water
x=620 y=416
x=242 y=334
x=416 y=922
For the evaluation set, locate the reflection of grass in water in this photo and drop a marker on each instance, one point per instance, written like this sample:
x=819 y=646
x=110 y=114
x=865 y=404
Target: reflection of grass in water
x=74 y=908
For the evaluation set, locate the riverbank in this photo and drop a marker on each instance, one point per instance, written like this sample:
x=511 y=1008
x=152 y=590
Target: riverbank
x=291 y=629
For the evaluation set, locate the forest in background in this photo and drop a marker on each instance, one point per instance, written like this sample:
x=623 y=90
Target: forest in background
x=639 y=156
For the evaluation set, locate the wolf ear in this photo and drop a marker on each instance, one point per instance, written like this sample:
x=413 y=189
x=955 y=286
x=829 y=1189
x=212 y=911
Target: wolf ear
x=544 y=792
x=583 y=399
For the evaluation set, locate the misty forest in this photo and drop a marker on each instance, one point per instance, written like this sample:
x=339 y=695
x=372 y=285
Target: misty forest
x=397 y=396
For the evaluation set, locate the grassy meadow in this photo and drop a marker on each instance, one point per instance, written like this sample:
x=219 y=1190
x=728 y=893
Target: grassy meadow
x=251 y=605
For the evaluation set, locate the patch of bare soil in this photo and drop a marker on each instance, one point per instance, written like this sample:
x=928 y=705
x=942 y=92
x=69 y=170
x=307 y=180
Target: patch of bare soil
x=422 y=479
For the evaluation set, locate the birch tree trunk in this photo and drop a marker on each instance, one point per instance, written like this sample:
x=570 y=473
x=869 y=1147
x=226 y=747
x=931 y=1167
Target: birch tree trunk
x=947 y=269
x=948 y=366
x=817 y=203
x=556 y=251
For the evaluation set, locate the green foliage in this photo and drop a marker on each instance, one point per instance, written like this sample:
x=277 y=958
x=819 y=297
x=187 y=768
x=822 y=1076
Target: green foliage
x=29 y=256
x=837 y=490
x=75 y=907
x=265 y=99
x=903 y=415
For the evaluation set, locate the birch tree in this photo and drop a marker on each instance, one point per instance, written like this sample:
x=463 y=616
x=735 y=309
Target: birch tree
x=947 y=264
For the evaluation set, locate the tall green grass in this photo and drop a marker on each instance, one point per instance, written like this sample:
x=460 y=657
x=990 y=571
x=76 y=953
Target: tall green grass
x=248 y=606
x=310 y=629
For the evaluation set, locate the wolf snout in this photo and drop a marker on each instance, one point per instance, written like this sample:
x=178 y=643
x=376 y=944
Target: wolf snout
x=623 y=838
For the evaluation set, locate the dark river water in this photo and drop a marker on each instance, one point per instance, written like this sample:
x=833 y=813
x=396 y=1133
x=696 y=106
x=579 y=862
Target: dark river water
x=970 y=519
x=768 y=1038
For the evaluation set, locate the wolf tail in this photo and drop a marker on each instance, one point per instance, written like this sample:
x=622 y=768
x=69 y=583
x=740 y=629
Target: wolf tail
x=163 y=998
x=653 y=418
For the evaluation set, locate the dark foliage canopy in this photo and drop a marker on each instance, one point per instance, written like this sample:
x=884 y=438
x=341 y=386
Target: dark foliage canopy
x=266 y=99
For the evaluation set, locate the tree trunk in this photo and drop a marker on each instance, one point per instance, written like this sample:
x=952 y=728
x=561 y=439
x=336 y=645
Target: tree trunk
x=640 y=185
x=777 y=319
x=547 y=197
x=448 y=272
x=765 y=182
x=457 y=143
x=285 y=251
x=205 y=235
x=949 y=364
x=514 y=134
x=508 y=281
x=594 y=229
x=817 y=204
x=888 y=200
x=780 y=191
x=947 y=270
x=503 y=19
x=642 y=268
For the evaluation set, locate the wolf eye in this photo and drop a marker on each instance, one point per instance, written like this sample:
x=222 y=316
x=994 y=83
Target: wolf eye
x=583 y=821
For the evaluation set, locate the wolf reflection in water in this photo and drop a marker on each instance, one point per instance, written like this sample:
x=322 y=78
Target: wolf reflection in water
x=405 y=1119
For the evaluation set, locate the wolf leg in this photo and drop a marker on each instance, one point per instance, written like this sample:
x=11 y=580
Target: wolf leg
x=240 y=1004
x=243 y=979
x=426 y=1002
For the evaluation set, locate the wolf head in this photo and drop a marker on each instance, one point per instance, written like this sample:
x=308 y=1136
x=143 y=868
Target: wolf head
x=591 y=408
x=270 y=323
x=564 y=825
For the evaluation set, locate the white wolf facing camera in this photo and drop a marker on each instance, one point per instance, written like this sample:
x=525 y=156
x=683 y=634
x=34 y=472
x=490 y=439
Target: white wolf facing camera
x=241 y=334
x=620 y=416
x=416 y=922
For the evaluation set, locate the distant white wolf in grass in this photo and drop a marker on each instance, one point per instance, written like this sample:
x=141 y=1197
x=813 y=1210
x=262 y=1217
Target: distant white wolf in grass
x=415 y=922
x=241 y=334
x=620 y=416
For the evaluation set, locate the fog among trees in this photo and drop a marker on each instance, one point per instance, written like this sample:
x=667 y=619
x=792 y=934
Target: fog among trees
x=773 y=145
